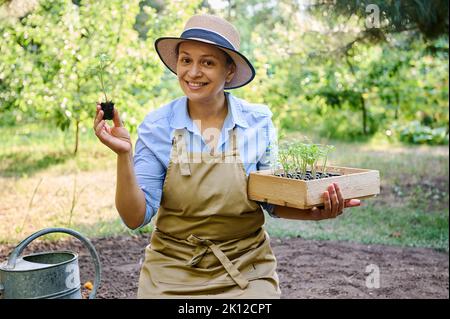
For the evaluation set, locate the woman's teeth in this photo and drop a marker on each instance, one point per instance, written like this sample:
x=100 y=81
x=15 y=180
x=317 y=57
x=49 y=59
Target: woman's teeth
x=197 y=84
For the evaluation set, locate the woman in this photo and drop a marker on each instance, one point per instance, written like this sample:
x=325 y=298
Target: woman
x=191 y=164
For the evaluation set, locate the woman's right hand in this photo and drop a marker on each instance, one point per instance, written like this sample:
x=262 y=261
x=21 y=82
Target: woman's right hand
x=117 y=137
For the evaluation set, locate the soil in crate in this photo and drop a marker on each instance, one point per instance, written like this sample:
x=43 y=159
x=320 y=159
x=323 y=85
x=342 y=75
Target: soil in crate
x=308 y=176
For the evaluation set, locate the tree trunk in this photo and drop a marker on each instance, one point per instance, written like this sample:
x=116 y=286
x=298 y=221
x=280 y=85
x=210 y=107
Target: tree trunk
x=77 y=133
x=361 y=98
x=397 y=105
x=364 y=114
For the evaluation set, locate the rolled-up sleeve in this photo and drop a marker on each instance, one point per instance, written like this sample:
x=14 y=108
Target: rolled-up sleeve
x=150 y=174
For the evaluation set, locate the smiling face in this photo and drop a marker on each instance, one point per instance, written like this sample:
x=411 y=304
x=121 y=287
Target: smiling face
x=203 y=70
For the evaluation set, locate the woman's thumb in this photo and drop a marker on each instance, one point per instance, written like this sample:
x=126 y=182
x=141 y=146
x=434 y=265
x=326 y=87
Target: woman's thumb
x=352 y=203
x=116 y=119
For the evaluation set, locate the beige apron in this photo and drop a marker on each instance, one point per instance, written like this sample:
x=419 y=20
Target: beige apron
x=209 y=240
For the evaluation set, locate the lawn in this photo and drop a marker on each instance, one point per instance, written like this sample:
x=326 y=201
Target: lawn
x=43 y=185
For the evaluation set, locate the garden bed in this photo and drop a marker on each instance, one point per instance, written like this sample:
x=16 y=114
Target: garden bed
x=307 y=268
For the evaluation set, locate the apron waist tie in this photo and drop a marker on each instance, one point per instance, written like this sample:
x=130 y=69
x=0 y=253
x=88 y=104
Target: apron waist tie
x=202 y=248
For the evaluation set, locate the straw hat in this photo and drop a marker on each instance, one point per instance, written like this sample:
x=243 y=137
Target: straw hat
x=212 y=30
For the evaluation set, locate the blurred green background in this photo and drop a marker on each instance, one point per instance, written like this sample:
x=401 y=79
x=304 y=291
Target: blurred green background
x=370 y=77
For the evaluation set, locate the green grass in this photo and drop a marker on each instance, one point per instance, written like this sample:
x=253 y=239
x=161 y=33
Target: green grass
x=33 y=148
x=109 y=228
x=372 y=225
x=102 y=229
x=412 y=209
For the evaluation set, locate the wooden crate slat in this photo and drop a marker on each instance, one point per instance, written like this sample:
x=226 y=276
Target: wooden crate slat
x=261 y=188
x=352 y=186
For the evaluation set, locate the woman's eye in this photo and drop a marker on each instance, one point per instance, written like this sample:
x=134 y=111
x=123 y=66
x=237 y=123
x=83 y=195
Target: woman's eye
x=185 y=60
x=208 y=63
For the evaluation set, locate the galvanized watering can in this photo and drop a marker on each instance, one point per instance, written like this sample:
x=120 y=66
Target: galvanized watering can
x=46 y=275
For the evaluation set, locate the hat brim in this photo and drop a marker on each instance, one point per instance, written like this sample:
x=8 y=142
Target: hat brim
x=245 y=73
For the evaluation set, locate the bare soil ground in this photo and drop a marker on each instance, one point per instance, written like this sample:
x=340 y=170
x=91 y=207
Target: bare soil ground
x=307 y=268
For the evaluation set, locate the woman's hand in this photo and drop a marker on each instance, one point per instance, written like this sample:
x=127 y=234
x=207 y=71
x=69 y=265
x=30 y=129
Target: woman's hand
x=334 y=204
x=117 y=138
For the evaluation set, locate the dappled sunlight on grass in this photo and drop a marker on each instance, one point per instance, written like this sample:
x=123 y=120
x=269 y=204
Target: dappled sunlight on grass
x=26 y=152
x=26 y=164
x=62 y=200
x=404 y=149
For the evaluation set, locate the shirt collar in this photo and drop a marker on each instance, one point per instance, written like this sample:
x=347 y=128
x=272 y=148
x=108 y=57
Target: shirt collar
x=180 y=116
x=237 y=116
x=181 y=119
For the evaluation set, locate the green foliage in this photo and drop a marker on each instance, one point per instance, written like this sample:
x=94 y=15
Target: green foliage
x=416 y=133
x=333 y=78
x=317 y=72
x=46 y=59
x=297 y=157
x=430 y=18
x=103 y=61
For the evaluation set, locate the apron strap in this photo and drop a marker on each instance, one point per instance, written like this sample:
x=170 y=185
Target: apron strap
x=233 y=142
x=203 y=245
x=180 y=144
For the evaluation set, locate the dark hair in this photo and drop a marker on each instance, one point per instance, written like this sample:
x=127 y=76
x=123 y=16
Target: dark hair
x=227 y=56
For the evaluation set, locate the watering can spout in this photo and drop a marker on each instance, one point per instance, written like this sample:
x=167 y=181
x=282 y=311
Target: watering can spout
x=48 y=274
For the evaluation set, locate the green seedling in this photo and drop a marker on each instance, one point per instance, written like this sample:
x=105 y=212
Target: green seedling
x=325 y=152
x=283 y=156
x=107 y=106
x=296 y=158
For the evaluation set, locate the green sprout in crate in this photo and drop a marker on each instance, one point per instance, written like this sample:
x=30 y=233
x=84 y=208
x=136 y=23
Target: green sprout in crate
x=283 y=156
x=326 y=151
x=107 y=106
x=311 y=156
x=300 y=161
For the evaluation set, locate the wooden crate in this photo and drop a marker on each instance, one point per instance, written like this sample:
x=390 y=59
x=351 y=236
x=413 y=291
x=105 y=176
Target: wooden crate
x=359 y=183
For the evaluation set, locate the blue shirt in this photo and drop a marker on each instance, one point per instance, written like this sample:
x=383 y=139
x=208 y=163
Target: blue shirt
x=256 y=139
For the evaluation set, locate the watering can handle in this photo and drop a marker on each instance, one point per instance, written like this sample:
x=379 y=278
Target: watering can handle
x=18 y=250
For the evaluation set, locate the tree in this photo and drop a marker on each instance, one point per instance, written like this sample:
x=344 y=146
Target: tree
x=429 y=18
x=58 y=44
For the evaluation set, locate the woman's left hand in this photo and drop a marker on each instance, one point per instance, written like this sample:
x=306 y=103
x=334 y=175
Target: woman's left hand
x=334 y=203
